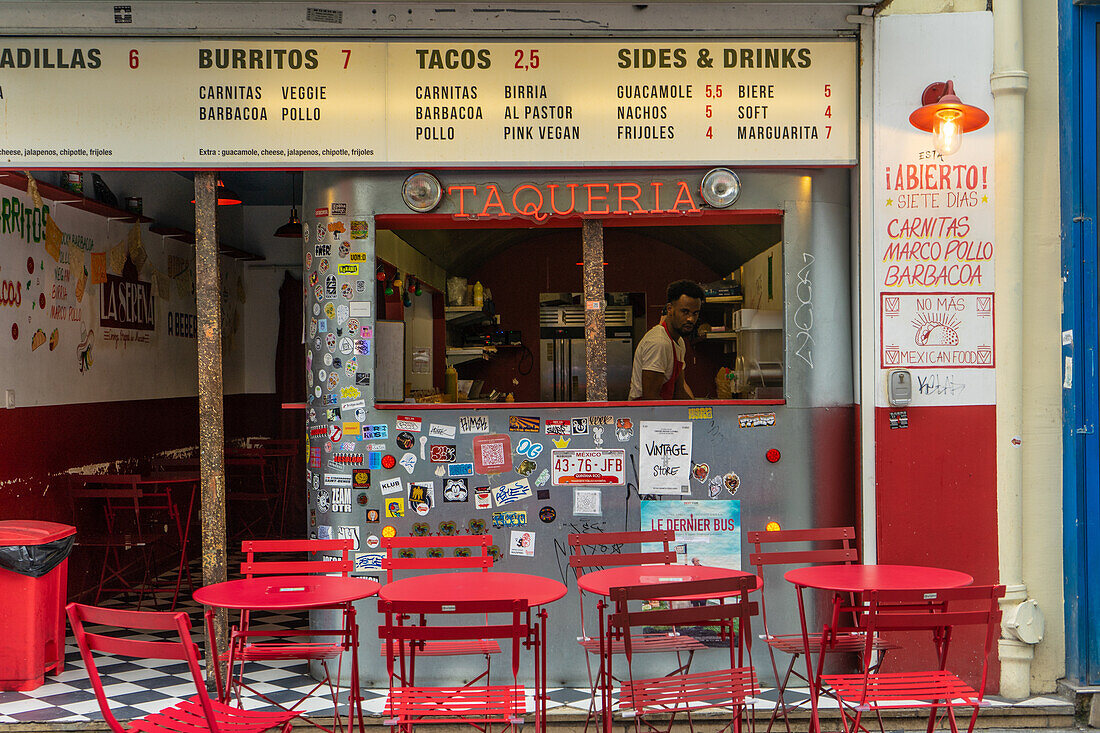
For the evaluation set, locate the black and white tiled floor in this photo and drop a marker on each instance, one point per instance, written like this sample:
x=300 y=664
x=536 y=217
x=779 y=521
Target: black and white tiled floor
x=137 y=688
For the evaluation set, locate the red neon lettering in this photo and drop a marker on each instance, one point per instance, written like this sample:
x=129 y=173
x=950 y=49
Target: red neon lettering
x=606 y=189
x=637 y=193
x=656 y=197
x=461 y=199
x=531 y=208
x=494 y=193
x=572 y=198
x=684 y=194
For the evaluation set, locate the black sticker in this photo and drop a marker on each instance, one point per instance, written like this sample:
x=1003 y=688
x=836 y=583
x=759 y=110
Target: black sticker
x=456 y=490
x=542 y=494
x=547 y=514
x=404 y=441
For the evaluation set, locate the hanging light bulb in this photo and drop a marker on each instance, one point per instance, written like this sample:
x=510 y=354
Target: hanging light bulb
x=380 y=275
x=947 y=131
x=419 y=290
x=389 y=287
x=293 y=228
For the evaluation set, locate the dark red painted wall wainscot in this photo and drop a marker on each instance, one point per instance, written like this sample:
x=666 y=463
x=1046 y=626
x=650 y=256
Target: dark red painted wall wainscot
x=937 y=505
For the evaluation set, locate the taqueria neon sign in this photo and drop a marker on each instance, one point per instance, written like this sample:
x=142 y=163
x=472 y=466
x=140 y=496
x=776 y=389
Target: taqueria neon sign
x=540 y=201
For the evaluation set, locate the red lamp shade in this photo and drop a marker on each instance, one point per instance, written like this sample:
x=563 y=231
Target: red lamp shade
x=226 y=195
x=946 y=116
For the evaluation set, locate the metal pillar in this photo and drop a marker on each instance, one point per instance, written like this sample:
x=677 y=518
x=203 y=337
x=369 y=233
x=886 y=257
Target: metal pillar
x=595 y=334
x=211 y=433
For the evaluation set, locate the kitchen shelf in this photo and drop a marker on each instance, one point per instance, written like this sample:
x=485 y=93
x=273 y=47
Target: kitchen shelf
x=59 y=195
x=723 y=300
x=458 y=355
x=466 y=315
x=720 y=336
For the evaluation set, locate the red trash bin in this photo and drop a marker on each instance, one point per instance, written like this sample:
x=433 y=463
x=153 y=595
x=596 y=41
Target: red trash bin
x=34 y=568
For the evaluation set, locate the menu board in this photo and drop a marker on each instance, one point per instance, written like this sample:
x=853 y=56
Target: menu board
x=198 y=103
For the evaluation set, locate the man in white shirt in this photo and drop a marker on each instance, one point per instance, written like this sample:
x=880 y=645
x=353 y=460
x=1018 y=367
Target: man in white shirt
x=658 y=372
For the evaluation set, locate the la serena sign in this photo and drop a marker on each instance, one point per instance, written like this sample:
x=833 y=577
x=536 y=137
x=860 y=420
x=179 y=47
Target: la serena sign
x=540 y=201
x=126 y=304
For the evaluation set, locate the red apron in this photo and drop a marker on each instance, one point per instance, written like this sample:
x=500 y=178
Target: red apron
x=668 y=389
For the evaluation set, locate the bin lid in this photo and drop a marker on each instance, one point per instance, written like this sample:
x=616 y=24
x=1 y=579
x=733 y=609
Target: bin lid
x=32 y=532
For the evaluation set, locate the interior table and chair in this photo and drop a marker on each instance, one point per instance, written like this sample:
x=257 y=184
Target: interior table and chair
x=142 y=512
x=294 y=591
x=857 y=581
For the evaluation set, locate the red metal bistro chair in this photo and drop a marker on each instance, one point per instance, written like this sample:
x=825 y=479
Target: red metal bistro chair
x=252 y=493
x=481 y=561
x=833 y=545
x=729 y=688
x=479 y=705
x=194 y=715
x=939 y=612
x=247 y=643
x=597 y=550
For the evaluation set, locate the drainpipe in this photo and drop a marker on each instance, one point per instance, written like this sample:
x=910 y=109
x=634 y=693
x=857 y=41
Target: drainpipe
x=1009 y=84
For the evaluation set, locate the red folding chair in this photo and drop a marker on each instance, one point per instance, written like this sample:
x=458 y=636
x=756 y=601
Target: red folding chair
x=479 y=705
x=252 y=493
x=248 y=643
x=730 y=688
x=597 y=550
x=833 y=545
x=938 y=612
x=480 y=561
x=194 y=715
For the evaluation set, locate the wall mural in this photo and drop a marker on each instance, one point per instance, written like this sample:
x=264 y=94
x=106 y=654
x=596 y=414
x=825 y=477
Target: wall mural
x=96 y=309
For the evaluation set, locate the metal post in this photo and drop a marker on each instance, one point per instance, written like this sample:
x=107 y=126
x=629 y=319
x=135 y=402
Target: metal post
x=595 y=334
x=211 y=436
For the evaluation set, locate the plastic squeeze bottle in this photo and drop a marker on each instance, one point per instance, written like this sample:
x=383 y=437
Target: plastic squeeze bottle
x=479 y=295
x=450 y=384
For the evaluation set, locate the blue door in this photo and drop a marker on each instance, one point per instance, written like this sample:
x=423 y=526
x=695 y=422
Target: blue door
x=1080 y=70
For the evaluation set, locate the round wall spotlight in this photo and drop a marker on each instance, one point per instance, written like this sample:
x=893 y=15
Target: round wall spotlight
x=720 y=187
x=422 y=192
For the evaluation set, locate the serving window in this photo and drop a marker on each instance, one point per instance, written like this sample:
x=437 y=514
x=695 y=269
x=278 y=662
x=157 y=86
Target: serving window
x=505 y=306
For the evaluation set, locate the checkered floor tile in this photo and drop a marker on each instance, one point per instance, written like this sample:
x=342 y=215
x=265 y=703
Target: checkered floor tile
x=138 y=687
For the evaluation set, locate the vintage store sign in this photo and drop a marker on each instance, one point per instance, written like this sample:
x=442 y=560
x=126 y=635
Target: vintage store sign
x=316 y=103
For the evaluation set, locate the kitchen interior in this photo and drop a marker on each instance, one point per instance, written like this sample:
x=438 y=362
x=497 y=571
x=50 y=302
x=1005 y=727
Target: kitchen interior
x=497 y=314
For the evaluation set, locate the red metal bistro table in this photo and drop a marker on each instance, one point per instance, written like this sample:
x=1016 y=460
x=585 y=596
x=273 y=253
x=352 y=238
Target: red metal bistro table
x=600 y=582
x=846 y=579
x=535 y=589
x=296 y=593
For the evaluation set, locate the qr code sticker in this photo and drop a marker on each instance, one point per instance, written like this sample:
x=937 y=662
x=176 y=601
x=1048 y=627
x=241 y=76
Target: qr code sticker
x=492 y=454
